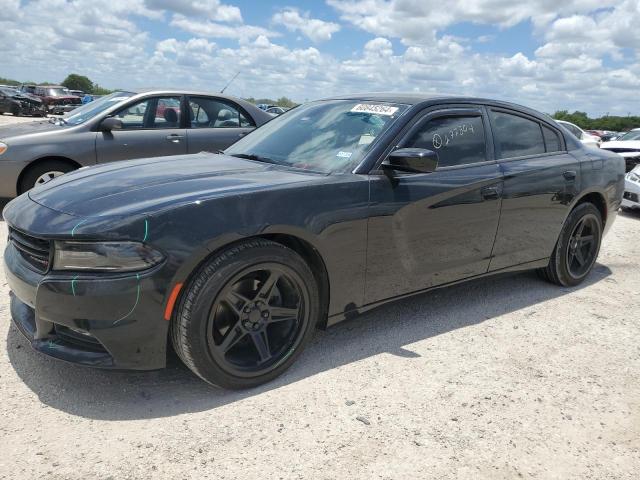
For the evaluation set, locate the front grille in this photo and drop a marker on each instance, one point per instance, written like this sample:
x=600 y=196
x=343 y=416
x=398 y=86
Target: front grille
x=35 y=251
x=633 y=197
x=84 y=341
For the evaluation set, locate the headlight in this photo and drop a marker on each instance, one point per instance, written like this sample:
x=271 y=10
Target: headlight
x=3 y=147
x=105 y=256
x=633 y=177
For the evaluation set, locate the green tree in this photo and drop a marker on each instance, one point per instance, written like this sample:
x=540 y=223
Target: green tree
x=78 y=82
x=612 y=123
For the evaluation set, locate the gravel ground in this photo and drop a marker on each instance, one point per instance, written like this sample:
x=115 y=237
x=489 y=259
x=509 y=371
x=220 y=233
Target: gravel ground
x=507 y=377
x=7 y=119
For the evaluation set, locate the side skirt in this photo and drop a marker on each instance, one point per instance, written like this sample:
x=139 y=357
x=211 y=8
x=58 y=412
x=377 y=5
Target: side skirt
x=355 y=312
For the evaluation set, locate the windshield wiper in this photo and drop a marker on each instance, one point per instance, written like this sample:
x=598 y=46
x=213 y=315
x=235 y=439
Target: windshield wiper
x=253 y=156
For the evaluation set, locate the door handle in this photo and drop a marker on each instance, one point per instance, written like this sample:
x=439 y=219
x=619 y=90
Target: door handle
x=490 y=193
x=569 y=175
x=175 y=138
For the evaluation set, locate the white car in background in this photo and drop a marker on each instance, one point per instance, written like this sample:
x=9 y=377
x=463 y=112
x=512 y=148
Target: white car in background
x=584 y=137
x=627 y=145
x=631 y=198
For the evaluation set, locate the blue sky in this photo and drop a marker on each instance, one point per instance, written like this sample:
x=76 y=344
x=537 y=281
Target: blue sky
x=575 y=54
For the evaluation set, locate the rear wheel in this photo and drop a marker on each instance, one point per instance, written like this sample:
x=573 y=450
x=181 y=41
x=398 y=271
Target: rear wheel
x=42 y=173
x=577 y=248
x=246 y=315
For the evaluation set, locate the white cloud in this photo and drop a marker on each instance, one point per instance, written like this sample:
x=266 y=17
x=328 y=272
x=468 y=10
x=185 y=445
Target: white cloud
x=313 y=28
x=219 y=30
x=207 y=9
x=406 y=50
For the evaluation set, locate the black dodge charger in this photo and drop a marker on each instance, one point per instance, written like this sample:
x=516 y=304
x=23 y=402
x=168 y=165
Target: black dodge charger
x=325 y=212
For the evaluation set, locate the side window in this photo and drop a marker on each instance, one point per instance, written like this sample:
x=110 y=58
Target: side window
x=551 y=139
x=132 y=117
x=516 y=136
x=215 y=113
x=167 y=113
x=159 y=112
x=457 y=140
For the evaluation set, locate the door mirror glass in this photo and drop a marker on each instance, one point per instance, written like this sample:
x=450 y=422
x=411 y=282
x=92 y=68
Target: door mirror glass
x=111 y=123
x=413 y=160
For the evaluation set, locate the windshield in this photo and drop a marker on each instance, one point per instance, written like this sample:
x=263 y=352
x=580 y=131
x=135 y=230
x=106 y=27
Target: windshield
x=90 y=110
x=58 y=92
x=328 y=136
x=629 y=136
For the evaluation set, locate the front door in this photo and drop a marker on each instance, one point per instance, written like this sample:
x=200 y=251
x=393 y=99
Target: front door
x=150 y=128
x=435 y=228
x=215 y=124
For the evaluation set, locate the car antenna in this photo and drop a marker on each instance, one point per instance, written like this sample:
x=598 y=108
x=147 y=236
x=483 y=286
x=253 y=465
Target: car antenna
x=229 y=82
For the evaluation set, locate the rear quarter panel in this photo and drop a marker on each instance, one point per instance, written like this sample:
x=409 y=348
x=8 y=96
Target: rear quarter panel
x=602 y=172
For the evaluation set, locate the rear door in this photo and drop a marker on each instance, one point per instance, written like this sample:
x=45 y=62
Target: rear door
x=428 y=229
x=541 y=181
x=215 y=124
x=151 y=127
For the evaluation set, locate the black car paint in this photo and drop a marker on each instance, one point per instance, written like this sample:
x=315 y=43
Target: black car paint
x=369 y=237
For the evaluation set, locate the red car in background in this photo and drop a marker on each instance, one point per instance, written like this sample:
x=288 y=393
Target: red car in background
x=57 y=99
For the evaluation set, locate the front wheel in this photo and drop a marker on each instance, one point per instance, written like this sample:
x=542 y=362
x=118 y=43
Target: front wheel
x=42 y=173
x=246 y=314
x=16 y=111
x=577 y=248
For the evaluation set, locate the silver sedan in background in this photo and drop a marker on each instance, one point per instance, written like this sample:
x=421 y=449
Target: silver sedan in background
x=121 y=126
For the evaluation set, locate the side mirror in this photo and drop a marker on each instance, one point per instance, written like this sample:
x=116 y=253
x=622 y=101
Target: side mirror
x=412 y=160
x=110 y=123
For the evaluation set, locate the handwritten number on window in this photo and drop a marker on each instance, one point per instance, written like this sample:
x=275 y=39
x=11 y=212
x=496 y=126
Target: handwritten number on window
x=443 y=139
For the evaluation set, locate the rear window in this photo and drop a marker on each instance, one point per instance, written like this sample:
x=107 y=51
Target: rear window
x=516 y=136
x=551 y=139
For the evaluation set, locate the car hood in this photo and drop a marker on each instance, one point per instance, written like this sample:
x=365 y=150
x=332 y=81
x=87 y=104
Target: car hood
x=149 y=185
x=28 y=97
x=622 y=144
x=28 y=128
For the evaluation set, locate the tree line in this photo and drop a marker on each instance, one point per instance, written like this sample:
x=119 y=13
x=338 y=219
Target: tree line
x=612 y=123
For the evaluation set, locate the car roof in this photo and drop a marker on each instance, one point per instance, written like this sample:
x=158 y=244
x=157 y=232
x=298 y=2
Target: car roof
x=417 y=98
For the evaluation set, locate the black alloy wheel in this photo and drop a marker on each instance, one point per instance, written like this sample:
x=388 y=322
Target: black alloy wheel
x=246 y=314
x=255 y=321
x=577 y=247
x=583 y=246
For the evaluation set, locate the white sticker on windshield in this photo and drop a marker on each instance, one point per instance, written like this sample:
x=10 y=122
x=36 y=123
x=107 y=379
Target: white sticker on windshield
x=375 y=108
x=344 y=154
x=366 y=139
x=118 y=99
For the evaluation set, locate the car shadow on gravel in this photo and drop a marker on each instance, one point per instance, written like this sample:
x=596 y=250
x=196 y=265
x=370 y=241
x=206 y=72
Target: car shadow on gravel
x=117 y=395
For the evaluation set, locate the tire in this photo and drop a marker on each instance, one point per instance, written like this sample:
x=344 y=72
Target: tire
x=34 y=174
x=226 y=290
x=16 y=111
x=574 y=255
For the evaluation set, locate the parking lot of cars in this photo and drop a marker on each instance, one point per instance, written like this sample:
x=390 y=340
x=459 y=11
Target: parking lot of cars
x=504 y=376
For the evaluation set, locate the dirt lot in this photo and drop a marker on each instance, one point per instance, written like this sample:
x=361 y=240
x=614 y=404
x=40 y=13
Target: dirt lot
x=6 y=119
x=507 y=377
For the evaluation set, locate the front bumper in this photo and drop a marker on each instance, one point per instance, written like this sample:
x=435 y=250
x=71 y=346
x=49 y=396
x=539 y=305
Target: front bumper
x=109 y=320
x=58 y=109
x=93 y=320
x=631 y=198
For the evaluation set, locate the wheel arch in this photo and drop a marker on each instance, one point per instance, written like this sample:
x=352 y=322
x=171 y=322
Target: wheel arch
x=597 y=198
x=309 y=253
x=41 y=160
